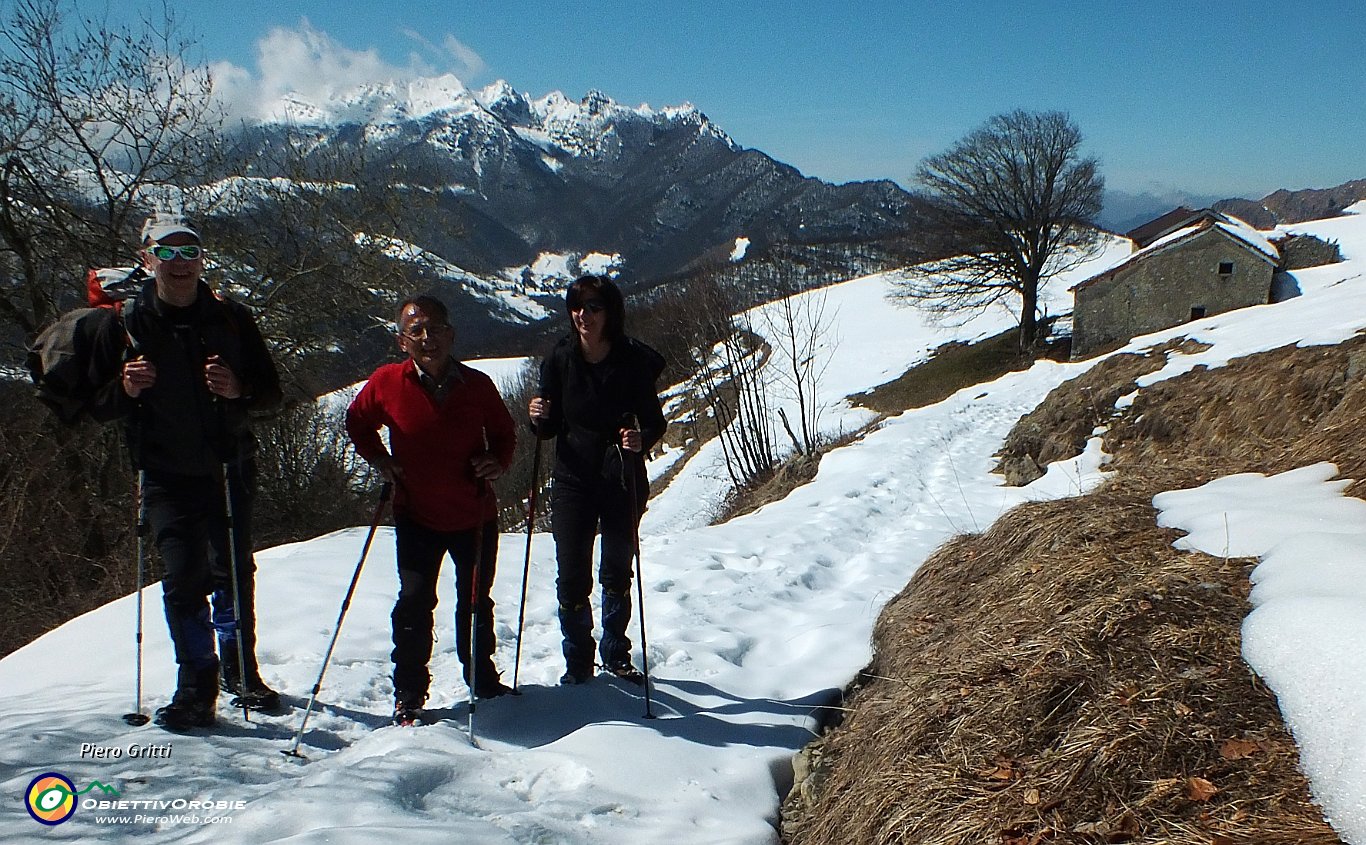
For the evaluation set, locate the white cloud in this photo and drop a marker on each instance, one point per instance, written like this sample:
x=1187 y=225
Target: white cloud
x=309 y=63
x=453 y=55
x=471 y=61
x=236 y=89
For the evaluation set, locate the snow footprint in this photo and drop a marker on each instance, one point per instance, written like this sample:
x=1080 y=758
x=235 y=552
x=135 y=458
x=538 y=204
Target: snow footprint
x=412 y=786
x=545 y=784
x=736 y=653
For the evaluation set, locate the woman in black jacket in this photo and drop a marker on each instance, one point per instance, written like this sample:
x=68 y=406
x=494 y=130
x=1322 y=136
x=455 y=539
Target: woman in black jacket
x=597 y=398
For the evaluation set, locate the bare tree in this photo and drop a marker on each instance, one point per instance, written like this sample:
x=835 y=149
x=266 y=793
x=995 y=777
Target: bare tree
x=800 y=326
x=725 y=357
x=1014 y=202
x=93 y=120
x=98 y=125
x=738 y=390
x=308 y=235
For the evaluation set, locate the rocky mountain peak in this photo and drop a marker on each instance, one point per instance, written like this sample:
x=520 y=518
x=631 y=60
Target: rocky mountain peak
x=516 y=179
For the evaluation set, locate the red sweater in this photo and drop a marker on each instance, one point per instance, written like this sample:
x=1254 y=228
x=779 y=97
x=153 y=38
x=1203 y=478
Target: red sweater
x=434 y=444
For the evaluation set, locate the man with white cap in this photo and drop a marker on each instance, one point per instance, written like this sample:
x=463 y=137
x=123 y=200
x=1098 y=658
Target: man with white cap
x=182 y=369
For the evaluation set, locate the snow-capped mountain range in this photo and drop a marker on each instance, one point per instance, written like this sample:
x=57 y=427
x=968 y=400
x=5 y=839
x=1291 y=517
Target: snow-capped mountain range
x=516 y=177
x=555 y=122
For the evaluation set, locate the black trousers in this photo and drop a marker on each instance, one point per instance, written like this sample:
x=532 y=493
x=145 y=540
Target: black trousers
x=420 y=552
x=188 y=518
x=579 y=512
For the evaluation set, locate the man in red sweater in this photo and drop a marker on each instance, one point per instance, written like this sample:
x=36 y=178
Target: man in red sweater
x=450 y=436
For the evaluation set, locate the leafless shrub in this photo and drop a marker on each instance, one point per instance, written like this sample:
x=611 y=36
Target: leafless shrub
x=308 y=483
x=514 y=487
x=725 y=357
x=66 y=518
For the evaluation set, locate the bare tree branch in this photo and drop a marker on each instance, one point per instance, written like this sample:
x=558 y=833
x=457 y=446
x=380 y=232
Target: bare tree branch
x=94 y=120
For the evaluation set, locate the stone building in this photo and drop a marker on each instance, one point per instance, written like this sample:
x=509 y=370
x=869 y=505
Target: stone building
x=1186 y=265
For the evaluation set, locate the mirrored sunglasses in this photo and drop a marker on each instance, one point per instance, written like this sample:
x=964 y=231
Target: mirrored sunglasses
x=189 y=252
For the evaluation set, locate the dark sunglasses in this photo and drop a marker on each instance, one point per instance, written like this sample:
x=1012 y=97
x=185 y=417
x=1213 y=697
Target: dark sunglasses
x=189 y=252
x=592 y=306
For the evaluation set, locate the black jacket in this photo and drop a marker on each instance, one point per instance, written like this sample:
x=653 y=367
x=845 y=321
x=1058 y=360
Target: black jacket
x=591 y=403
x=177 y=425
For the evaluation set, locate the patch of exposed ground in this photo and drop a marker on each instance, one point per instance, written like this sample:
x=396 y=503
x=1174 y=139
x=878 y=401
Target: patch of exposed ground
x=952 y=367
x=1068 y=676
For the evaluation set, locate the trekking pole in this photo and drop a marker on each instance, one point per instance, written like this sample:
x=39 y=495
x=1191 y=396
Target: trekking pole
x=236 y=597
x=474 y=602
x=640 y=580
x=137 y=717
x=526 y=562
x=384 y=491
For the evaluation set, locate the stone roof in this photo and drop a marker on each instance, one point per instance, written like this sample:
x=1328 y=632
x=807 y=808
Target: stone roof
x=1198 y=223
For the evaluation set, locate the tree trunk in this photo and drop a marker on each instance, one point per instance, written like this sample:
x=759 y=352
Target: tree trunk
x=1029 y=309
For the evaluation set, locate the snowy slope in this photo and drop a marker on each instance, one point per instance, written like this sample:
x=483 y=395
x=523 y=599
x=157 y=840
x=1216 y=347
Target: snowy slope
x=753 y=626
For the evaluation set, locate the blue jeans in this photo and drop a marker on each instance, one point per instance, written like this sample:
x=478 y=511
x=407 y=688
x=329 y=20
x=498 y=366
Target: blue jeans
x=579 y=512
x=187 y=515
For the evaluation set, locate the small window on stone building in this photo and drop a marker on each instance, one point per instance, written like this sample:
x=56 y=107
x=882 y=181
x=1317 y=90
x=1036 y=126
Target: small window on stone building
x=1197 y=312
x=1226 y=268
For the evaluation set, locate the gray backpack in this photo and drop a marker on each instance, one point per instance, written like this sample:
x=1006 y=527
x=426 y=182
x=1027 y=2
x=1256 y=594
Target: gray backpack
x=58 y=361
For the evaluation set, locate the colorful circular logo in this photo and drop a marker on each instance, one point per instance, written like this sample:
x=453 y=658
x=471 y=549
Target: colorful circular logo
x=51 y=798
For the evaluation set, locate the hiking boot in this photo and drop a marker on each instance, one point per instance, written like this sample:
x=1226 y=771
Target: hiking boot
x=627 y=672
x=574 y=677
x=408 y=707
x=491 y=689
x=406 y=713
x=186 y=711
x=257 y=696
x=195 y=698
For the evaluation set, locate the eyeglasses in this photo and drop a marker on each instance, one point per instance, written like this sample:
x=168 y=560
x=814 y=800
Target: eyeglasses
x=592 y=306
x=189 y=252
x=425 y=331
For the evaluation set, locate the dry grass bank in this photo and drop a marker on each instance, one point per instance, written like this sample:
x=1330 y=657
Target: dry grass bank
x=1068 y=676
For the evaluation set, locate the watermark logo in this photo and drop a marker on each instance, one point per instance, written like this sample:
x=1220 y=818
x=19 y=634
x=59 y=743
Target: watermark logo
x=51 y=797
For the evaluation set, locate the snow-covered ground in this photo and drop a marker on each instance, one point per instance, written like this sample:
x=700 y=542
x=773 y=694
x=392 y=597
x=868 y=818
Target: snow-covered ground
x=753 y=626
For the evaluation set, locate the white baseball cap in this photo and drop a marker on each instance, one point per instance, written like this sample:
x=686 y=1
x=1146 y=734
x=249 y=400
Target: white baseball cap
x=162 y=225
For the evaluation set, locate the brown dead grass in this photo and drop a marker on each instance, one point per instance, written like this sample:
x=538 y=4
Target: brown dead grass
x=952 y=367
x=1060 y=426
x=1068 y=676
x=1266 y=413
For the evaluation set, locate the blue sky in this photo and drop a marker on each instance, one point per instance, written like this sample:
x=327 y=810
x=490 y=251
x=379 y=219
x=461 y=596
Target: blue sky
x=1218 y=97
